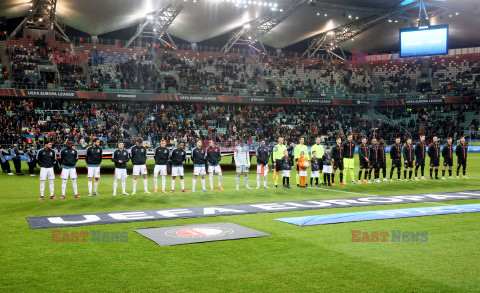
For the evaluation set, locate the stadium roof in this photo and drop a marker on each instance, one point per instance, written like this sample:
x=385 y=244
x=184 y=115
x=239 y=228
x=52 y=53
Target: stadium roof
x=205 y=19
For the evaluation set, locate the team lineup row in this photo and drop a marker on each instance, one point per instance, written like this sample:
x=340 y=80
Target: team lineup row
x=323 y=160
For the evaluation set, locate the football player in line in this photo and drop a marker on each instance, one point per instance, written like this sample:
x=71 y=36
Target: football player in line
x=199 y=159
x=120 y=157
x=161 y=156
x=93 y=158
x=214 y=157
x=177 y=157
x=242 y=162
x=138 y=155
x=68 y=159
x=46 y=160
x=263 y=154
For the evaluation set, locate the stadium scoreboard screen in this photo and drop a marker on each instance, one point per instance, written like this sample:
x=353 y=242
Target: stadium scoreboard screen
x=424 y=41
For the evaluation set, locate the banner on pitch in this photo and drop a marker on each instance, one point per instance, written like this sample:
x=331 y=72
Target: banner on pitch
x=44 y=222
x=381 y=215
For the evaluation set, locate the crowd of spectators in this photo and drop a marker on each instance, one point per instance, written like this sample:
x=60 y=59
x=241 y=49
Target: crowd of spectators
x=213 y=73
x=35 y=121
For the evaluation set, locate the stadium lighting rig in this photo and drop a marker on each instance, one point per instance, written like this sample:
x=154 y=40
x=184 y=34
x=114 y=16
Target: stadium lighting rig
x=156 y=24
x=254 y=30
x=41 y=16
x=249 y=3
x=329 y=40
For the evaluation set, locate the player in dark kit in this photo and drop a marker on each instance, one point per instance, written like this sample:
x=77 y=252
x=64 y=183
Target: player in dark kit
x=408 y=158
x=214 y=157
x=199 y=159
x=46 y=160
x=93 y=158
x=461 y=153
x=382 y=159
x=263 y=155
x=396 y=156
x=447 y=154
x=348 y=160
x=374 y=152
x=420 y=153
x=337 y=156
x=138 y=155
x=68 y=160
x=434 y=154
x=364 y=155
x=177 y=157
x=161 y=156
x=120 y=157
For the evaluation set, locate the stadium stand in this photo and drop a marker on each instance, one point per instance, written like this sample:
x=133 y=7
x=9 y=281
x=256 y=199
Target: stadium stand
x=81 y=120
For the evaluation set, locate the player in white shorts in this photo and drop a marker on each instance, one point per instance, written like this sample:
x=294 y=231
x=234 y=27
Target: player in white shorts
x=161 y=156
x=120 y=157
x=68 y=160
x=138 y=155
x=46 y=160
x=93 y=158
x=177 y=157
x=199 y=158
x=214 y=157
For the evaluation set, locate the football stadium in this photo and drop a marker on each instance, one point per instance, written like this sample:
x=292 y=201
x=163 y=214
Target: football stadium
x=240 y=145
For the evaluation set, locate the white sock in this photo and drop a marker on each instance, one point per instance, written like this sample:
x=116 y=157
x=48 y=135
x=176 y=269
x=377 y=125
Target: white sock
x=238 y=179
x=194 y=182
x=220 y=179
x=95 y=186
x=173 y=184
x=265 y=181
x=182 y=183
x=115 y=182
x=134 y=185
x=258 y=180
x=246 y=180
x=90 y=187
x=155 y=181
x=210 y=179
x=42 y=188
x=145 y=184
x=64 y=186
x=124 y=185
x=203 y=183
x=74 y=185
x=52 y=186
x=164 y=179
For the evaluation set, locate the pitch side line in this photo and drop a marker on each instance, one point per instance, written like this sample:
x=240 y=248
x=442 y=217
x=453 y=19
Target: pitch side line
x=326 y=189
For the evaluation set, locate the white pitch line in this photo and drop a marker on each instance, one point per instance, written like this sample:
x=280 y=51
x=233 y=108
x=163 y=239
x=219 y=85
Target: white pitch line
x=351 y=192
x=255 y=180
x=366 y=194
x=440 y=203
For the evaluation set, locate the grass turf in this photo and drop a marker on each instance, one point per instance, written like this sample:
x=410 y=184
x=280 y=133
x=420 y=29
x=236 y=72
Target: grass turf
x=294 y=259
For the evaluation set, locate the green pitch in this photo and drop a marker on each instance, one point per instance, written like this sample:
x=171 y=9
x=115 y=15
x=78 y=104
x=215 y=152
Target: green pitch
x=294 y=259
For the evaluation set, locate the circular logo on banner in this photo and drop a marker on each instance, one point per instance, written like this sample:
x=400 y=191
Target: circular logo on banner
x=200 y=232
